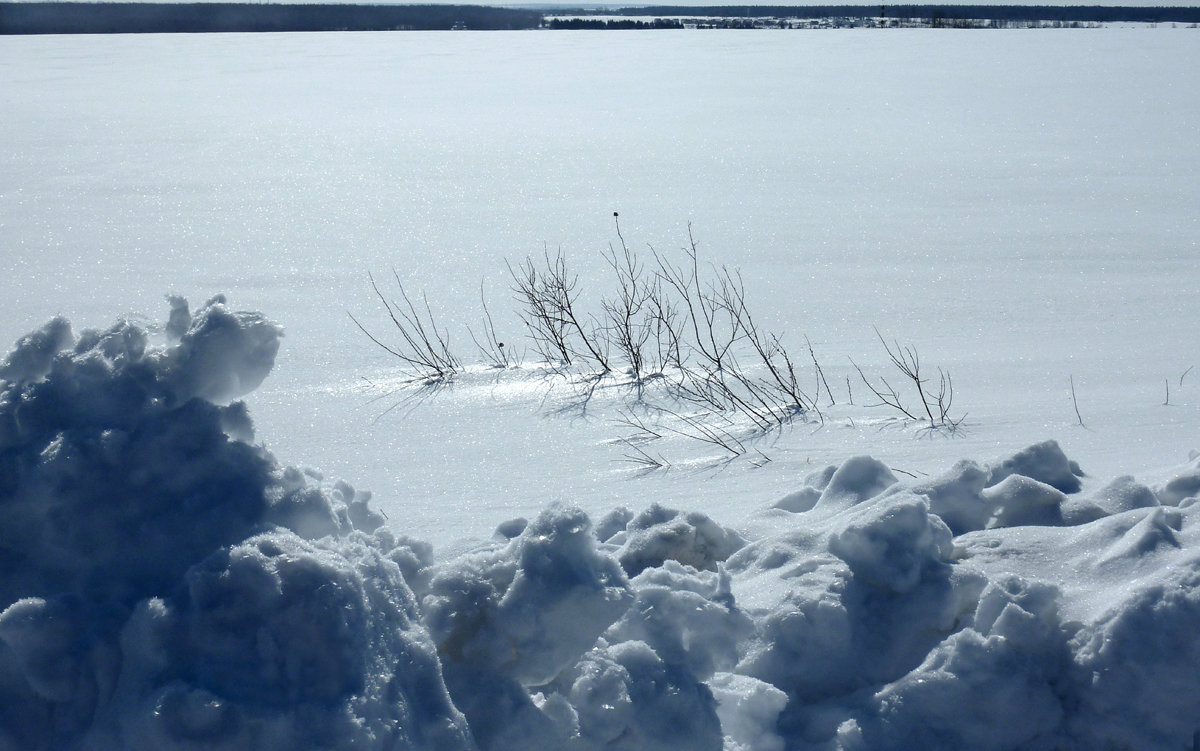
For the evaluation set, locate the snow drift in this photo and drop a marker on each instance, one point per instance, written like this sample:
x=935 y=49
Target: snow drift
x=168 y=584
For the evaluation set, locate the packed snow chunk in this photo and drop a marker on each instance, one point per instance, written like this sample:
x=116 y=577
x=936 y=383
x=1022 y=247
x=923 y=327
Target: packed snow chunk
x=957 y=497
x=223 y=354
x=1020 y=501
x=413 y=556
x=749 y=712
x=44 y=639
x=660 y=534
x=799 y=501
x=1158 y=528
x=628 y=699
x=858 y=479
x=820 y=478
x=136 y=608
x=530 y=608
x=32 y=356
x=892 y=544
x=613 y=523
x=179 y=319
x=1135 y=668
x=805 y=644
x=309 y=513
x=687 y=616
x=972 y=692
x=504 y=716
x=511 y=528
x=315 y=510
x=1122 y=494
x=279 y=643
x=121 y=511
x=1044 y=462
x=1185 y=484
x=992 y=686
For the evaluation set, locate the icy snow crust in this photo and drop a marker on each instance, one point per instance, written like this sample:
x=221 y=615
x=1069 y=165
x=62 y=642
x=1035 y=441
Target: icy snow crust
x=169 y=584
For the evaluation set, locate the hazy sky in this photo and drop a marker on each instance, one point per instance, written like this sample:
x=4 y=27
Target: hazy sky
x=793 y=3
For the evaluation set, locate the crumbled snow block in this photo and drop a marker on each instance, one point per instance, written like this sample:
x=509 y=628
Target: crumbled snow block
x=223 y=354
x=688 y=618
x=628 y=699
x=43 y=638
x=1156 y=529
x=119 y=508
x=511 y=528
x=957 y=497
x=798 y=501
x=179 y=319
x=1019 y=501
x=1077 y=511
x=32 y=356
x=280 y=643
x=820 y=478
x=309 y=513
x=1044 y=462
x=503 y=715
x=1122 y=494
x=660 y=534
x=313 y=510
x=858 y=479
x=973 y=691
x=413 y=556
x=357 y=504
x=749 y=712
x=805 y=642
x=613 y=523
x=530 y=608
x=893 y=544
x=153 y=595
x=1134 y=669
x=1184 y=485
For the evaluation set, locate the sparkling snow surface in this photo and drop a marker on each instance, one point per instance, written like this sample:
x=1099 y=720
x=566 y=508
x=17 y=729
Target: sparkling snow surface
x=1019 y=206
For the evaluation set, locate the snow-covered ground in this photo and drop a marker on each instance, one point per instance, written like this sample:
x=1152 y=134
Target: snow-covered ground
x=1017 y=206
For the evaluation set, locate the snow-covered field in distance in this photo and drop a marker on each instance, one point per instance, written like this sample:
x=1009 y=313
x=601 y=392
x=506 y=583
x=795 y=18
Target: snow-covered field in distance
x=1018 y=206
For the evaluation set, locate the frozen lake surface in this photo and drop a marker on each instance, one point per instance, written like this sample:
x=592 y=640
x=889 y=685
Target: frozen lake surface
x=1018 y=206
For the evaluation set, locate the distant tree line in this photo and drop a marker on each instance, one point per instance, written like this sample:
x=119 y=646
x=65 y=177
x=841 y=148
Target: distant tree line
x=599 y=23
x=133 y=17
x=155 y=17
x=1091 y=13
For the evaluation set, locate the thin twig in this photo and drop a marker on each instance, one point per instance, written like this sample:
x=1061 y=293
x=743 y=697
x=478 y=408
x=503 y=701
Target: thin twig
x=1075 y=402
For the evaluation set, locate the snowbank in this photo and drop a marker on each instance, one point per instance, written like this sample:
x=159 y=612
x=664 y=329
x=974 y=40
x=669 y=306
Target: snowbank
x=169 y=584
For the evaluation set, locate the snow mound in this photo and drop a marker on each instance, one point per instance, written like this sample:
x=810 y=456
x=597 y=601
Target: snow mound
x=168 y=584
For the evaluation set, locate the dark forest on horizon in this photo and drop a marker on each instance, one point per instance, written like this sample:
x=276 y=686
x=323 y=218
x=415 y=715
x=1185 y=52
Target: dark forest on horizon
x=134 y=17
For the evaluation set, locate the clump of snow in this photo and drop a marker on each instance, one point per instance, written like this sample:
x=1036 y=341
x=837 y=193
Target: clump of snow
x=1184 y=485
x=893 y=545
x=858 y=479
x=1018 y=500
x=627 y=698
x=1044 y=462
x=168 y=584
x=660 y=534
x=687 y=616
x=530 y=608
